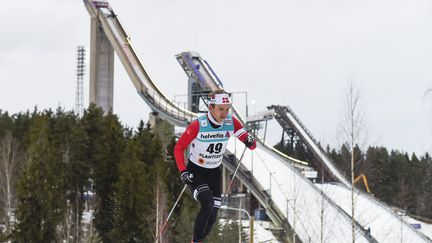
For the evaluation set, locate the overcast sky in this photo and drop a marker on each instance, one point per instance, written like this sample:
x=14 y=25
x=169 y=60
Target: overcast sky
x=296 y=53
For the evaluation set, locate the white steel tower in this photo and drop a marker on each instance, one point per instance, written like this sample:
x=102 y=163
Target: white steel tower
x=79 y=95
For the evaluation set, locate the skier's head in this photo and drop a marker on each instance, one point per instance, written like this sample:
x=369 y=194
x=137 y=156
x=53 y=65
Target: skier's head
x=219 y=105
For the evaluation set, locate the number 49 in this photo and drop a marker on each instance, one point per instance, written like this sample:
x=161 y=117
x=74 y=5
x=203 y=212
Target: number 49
x=212 y=148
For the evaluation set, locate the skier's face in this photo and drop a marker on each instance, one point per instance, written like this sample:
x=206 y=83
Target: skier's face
x=219 y=112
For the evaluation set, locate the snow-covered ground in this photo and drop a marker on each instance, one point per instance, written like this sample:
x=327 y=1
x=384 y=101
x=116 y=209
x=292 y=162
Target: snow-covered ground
x=314 y=218
x=87 y=216
x=383 y=224
x=425 y=228
x=262 y=230
x=323 y=216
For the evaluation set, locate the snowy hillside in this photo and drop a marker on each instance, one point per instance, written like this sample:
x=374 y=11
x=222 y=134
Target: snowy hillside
x=383 y=226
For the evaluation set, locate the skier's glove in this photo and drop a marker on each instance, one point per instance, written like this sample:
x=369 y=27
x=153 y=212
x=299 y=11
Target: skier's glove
x=249 y=141
x=186 y=177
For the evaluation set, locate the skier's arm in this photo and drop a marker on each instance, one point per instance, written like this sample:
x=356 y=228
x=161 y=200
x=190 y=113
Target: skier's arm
x=243 y=135
x=182 y=144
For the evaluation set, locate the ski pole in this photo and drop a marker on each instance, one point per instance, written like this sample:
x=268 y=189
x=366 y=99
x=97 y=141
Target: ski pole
x=169 y=215
x=232 y=178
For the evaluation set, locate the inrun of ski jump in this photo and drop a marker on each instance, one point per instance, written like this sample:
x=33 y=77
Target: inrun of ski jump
x=292 y=201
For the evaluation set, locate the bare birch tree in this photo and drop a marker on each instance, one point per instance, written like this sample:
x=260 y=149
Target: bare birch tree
x=353 y=128
x=9 y=160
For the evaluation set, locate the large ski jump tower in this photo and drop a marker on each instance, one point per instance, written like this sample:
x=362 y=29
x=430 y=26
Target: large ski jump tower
x=101 y=68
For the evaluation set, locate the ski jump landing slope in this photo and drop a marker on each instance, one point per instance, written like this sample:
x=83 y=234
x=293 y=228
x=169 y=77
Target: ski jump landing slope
x=313 y=216
x=384 y=224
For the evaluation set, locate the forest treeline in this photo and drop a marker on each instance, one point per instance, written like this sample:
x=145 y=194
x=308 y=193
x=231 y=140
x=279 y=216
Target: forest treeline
x=58 y=169
x=92 y=179
x=400 y=179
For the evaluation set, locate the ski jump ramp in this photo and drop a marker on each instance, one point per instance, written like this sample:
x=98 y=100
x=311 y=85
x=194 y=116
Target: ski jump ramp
x=291 y=200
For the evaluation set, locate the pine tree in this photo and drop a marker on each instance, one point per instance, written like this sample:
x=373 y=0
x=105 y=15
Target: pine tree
x=21 y=128
x=377 y=162
x=106 y=174
x=151 y=153
x=6 y=123
x=215 y=233
x=425 y=200
x=415 y=183
x=132 y=196
x=229 y=232
x=398 y=179
x=70 y=141
x=104 y=150
x=182 y=225
x=173 y=187
x=341 y=159
x=174 y=184
x=40 y=188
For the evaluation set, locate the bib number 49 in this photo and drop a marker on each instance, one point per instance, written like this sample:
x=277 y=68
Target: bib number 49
x=214 y=148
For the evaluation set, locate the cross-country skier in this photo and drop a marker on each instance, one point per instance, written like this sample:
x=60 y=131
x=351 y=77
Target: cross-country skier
x=208 y=137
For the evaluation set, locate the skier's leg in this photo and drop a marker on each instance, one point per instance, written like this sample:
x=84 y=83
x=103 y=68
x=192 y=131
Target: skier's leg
x=213 y=216
x=215 y=187
x=203 y=194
